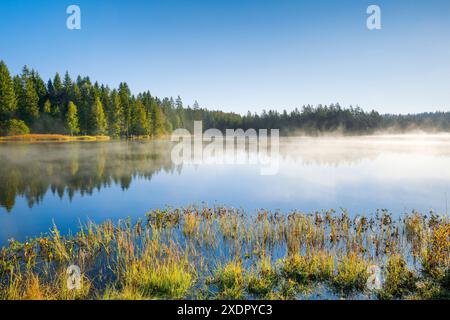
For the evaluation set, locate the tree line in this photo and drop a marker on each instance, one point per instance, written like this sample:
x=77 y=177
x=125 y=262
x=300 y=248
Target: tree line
x=80 y=107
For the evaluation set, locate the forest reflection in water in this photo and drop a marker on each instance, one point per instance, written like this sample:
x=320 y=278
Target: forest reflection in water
x=31 y=170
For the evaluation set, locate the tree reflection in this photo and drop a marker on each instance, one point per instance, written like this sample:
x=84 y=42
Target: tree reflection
x=30 y=170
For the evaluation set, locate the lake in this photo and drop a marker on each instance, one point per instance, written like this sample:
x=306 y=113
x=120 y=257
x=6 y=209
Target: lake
x=70 y=183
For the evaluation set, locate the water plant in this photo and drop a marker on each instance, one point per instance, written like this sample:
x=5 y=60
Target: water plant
x=230 y=280
x=206 y=253
x=351 y=274
x=399 y=280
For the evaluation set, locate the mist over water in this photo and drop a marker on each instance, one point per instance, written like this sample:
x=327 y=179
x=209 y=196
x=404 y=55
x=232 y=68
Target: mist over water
x=69 y=183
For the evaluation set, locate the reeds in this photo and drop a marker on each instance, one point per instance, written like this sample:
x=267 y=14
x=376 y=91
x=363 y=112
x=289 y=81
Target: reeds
x=210 y=253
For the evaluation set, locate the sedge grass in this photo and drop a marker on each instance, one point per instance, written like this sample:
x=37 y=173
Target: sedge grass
x=225 y=253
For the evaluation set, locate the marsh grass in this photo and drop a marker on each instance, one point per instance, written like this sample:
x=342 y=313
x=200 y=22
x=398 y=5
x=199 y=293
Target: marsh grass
x=400 y=281
x=230 y=280
x=351 y=274
x=208 y=253
x=263 y=280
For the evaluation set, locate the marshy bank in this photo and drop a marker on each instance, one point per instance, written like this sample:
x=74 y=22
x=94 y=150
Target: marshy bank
x=224 y=253
x=51 y=138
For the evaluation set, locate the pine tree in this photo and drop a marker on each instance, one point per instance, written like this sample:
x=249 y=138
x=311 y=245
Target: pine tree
x=140 y=125
x=40 y=88
x=76 y=93
x=8 y=101
x=196 y=106
x=116 y=122
x=72 y=119
x=47 y=107
x=97 y=120
x=179 y=103
x=124 y=93
x=46 y=121
x=56 y=95
x=67 y=92
x=85 y=103
x=29 y=99
x=158 y=121
x=180 y=112
x=172 y=120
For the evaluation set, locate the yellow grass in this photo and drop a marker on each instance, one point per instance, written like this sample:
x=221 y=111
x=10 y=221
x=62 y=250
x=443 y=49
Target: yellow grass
x=51 y=138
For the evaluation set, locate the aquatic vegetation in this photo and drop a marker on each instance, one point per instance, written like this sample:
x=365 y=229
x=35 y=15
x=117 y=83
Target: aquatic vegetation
x=351 y=274
x=208 y=253
x=191 y=223
x=436 y=252
x=263 y=281
x=158 y=279
x=399 y=280
x=230 y=280
x=317 y=266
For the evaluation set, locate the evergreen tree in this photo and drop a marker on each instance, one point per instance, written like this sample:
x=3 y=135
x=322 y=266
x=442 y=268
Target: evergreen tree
x=40 y=88
x=76 y=93
x=180 y=112
x=29 y=99
x=95 y=108
x=87 y=98
x=67 y=92
x=124 y=93
x=18 y=91
x=158 y=121
x=140 y=125
x=56 y=96
x=179 y=103
x=196 y=106
x=97 y=120
x=116 y=122
x=8 y=101
x=72 y=119
x=47 y=107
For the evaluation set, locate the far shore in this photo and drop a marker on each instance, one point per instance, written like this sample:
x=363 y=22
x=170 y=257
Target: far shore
x=51 y=138
x=42 y=138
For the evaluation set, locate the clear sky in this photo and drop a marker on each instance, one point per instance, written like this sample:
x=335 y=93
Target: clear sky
x=240 y=55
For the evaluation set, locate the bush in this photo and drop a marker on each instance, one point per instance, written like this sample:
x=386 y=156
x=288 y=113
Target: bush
x=14 y=127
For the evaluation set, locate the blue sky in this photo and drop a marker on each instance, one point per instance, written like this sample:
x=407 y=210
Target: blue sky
x=240 y=55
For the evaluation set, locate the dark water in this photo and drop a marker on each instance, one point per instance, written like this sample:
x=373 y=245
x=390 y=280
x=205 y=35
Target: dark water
x=69 y=183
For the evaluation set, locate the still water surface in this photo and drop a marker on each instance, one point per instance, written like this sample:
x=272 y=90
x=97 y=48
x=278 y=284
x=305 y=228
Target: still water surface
x=69 y=183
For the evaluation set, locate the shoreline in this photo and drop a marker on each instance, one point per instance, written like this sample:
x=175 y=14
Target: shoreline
x=42 y=138
x=51 y=138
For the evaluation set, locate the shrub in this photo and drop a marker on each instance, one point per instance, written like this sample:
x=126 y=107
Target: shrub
x=14 y=127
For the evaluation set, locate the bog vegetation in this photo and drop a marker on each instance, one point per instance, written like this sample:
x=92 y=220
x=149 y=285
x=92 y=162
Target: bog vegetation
x=223 y=253
x=81 y=107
